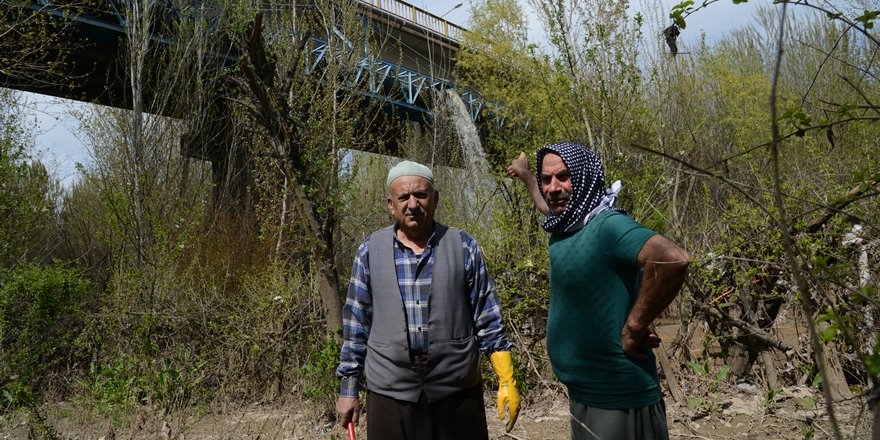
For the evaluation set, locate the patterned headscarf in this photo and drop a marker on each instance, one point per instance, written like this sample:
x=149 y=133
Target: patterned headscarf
x=588 y=194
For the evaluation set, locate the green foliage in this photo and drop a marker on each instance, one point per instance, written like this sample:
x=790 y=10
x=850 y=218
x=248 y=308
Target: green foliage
x=41 y=316
x=770 y=398
x=204 y=326
x=817 y=380
x=176 y=384
x=867 y=19
x=196 y=306
x=36 y=44
x=585 y=88
x=708 y=400
x=26 y=192
x=113 y=389
x=318 y=373
x=679 y=11
x=872 y=361
x=516 y=82
x=126 y=382
x=709 y=404
x=809 y=403
x=830 y=331
x=517 y=255
x=797 y=119
x=807 y=431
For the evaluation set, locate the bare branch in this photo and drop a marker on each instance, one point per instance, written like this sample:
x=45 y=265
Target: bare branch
x=793 y=134
x=836 y=16
x=807 y=302
x=752 y=331
x=861 y=93
x=822 y=64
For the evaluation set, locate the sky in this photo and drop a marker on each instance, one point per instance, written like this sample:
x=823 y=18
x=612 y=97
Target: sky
x=58 y=146
x=716 y=20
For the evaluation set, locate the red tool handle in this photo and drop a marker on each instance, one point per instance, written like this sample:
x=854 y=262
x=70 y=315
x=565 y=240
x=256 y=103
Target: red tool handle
x=351 y=431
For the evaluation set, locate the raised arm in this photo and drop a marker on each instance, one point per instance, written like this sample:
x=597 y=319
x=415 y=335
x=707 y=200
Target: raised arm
x=519 y=167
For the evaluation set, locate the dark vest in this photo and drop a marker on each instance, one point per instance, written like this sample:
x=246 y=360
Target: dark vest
x=453 y=359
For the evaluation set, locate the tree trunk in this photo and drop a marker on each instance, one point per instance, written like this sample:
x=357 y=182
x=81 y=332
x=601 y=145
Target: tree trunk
x=876 y=435
x=833 y=373
x=328 y=285
x=671 y=374
x=271 y=109
x=770 y=371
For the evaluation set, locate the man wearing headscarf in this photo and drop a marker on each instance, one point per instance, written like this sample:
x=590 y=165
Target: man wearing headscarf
x=610 y=277
x=421 y=308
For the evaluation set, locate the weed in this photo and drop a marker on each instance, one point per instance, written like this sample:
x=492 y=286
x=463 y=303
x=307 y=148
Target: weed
x=113 y=389
x=711 y=403
x=770 y=398
x=809 y=403
x=319 y=379
x=40 y=318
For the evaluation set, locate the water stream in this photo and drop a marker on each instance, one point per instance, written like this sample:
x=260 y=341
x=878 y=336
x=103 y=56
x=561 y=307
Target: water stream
x=475 y=185
x=473 y=157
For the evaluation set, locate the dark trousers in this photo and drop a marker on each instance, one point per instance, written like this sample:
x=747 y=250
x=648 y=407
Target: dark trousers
x=460 y=416
x=648 y=423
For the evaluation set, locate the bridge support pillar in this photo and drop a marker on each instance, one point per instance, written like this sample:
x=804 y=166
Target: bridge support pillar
x=212 y=138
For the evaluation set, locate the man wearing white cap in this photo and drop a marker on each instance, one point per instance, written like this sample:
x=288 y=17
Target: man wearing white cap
x=421 y=308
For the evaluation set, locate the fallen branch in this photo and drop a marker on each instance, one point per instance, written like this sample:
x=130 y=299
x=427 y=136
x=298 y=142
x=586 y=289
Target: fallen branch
x=836 y=207
x=753 y=331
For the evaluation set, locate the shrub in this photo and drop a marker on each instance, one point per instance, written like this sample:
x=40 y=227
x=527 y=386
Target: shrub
x=40 y=318
x=318 y=374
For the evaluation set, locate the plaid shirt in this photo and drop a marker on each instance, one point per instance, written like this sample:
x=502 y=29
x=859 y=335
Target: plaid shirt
x=414 y=277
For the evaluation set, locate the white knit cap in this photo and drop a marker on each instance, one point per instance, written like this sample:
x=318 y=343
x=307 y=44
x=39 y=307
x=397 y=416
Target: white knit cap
x=408 y=168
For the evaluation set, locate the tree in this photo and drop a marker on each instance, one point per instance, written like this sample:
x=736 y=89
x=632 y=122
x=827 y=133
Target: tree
x=307 y=116
x=817 y=75
x=27 y=192
x=517 y=82
x=34 y=44
x=597 y=50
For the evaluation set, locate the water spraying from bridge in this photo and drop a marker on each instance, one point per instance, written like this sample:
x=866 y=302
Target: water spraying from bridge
x=473 y=156
x=475 y=186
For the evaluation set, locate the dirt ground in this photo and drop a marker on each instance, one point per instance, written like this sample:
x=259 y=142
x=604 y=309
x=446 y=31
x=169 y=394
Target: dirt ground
x=724 y=411
x=793 y=413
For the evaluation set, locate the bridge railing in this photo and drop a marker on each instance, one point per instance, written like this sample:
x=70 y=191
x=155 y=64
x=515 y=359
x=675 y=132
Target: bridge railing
x=419 y=16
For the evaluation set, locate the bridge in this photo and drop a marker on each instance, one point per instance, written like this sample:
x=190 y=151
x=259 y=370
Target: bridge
x=422 y=59
x=401 y=74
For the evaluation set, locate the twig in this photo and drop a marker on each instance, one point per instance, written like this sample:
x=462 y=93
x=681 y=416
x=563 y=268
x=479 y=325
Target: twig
x=793 y=134
x=787 y=242
x=732 y=184
x=720 y=297
x=858 y=90
x=824 y=61
x=531 y=361
x=753 y=331
x=840 y=17
x=691 y=429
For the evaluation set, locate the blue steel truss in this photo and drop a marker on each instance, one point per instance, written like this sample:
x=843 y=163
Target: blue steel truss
x=377 y=76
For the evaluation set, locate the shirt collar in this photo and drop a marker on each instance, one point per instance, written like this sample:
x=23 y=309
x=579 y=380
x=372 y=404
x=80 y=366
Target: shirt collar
x=431 y=241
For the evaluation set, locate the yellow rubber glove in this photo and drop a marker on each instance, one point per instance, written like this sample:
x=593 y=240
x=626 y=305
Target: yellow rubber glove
x=507 y=393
